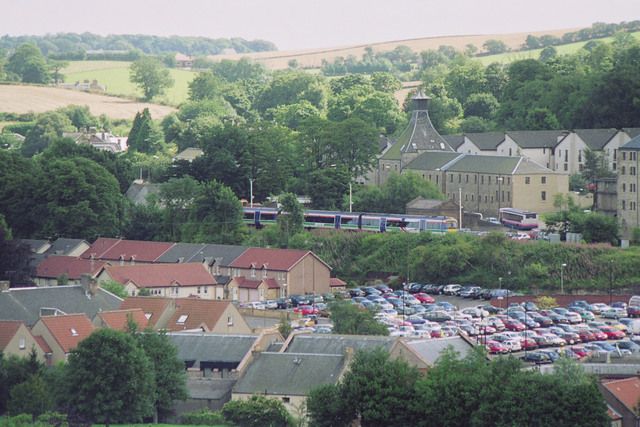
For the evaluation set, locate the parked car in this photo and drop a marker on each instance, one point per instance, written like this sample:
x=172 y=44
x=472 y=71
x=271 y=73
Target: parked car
x=451 y=289
x=283 y=303
x=614 y=313
x=496 y=347
x=271 y=304
x=424 y=298
x=633 y=311
x=297 y=300
x=306 y=310
x=612 y=333
x=513 y=345
x=598 y=308
x=537 y=357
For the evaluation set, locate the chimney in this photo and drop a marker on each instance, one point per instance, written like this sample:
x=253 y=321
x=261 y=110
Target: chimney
x=4 y=285
x=89 y=284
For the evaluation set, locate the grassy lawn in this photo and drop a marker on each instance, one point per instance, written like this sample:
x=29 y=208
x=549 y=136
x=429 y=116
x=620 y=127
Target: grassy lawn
x=115 y=76
x=564 y=49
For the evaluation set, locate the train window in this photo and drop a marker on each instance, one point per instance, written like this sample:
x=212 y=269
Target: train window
x=320 y=219
x=267 y=216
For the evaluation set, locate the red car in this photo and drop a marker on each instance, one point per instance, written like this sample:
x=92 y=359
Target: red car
x=586 y=336
x=600 y=336
x=306 y=310
x=513 y=325
x=424 y=298
x=579 y=351
x=528 y=343
x=495 y=347
x=612 y=333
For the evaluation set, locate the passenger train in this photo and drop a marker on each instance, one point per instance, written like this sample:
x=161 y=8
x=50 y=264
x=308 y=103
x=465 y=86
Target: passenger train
x=356 y=221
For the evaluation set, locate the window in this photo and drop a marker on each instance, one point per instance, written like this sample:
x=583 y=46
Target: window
x=466 y=197
x=472 y=197
x=624 y=155
x=623 y=205
x=466 y=178
x=566 y=155
x=566 y=167
x=286 y=399
x=174 y=290
x=624 y=187
x=489 y=179
x=632 y=170
x=437 y=179
x=527 y=180
x=74 y=333
x=509 y=151
x=182 y=319
x=622 y=170
x=475 y=179
x=450 y=178
x=543 y=195
x=508 y=196
x=22 y=345
x=230 y=321
x=543 y=180
x=206 y=289
x=198 y=289
x=459 y=178
x=502 y=196
x=497 y=195
x=579 y=155
x=482 y=179
x=491 y=199
x=615 y=154
x=485 y=199
x=509 y=180
x=429 y=177
x=264 y=273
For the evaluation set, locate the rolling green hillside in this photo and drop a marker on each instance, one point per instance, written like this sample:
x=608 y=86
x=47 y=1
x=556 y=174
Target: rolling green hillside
x=564 y=49
x=115 y=76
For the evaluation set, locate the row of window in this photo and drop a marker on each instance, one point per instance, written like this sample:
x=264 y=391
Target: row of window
x=487 y=199
x=632 y=155
x=543 y=180
x=632 y=170
x=632 y=188
x=279 y=275
x=632 y=205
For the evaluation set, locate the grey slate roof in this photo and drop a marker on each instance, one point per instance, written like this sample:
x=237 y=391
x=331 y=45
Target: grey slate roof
x=454 y=141
x=596 y=139
x=430 y=350
x=421 y=135
x=212 y=347
x=634 y=144
x=25 y=303
x=632 y=132
x=209 y=388
x=486 y=140
x=63 y=246
x=483 y=164
x=291 y=374
x=181 y=252
x=337 y=344
x=138 y=192
x=197 y=252
x=34 y=244
x=537 y=138
x=431 y=160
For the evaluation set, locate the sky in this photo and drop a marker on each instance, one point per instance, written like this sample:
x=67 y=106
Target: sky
x=302 y=24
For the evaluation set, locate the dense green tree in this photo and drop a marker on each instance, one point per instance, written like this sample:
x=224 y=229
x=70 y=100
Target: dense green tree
x=326 y=408
x=472 y=124
x=242 y=70
x=30 y=397
x=48 y=127
x=206 y=85
x=257 y=411
x=14 y=371
x=77 y=197
x=151 y=76
x=28 y=64
x=482 y=105
x=145 y=222
x=169 y=372
x=493 y=46
x=290 y=87
x=293 y=221
x=463 y=79
x=177 y=196
x=16 y=256
x=145 y=135
x=353 y=320
x=80 y=116
x=119 y=389
x=327 y=186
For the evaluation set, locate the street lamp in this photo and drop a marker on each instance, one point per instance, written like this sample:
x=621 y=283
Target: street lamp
x=562 y=266
x=610 y=281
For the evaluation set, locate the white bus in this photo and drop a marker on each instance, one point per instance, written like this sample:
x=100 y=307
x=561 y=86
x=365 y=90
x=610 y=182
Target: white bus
x=518 y=219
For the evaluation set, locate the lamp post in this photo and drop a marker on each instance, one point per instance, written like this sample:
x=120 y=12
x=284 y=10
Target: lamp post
x=610 y=282
x=251 y=192
x=562 y=266
x=500 y=283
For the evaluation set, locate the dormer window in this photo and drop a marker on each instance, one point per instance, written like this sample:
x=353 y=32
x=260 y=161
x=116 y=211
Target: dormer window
x=182 y=319
x=74 y=333
x=253 y=271
x=22 y=344
x=148 y=315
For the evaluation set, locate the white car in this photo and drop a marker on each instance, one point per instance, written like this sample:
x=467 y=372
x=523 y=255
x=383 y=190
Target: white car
x=271 y=304
x=451 y=289
x=513 y=345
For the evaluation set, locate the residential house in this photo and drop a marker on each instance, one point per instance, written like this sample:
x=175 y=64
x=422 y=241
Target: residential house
x=28 y=304
x=139 y=191
x=37 y=246
x=119 y=319
x=242 y=289
x=483 y=143
x=627 y=187
x=41 y=249
x=537 y=145
x=16 y=339
x=56 y=270
x=126 y=251
x=622 y=397
x=289 y=377
x=166 y=280
x=190 y=314
x=101 y=140
x=337 y=285
x=188 y=154
x=295 y=271
x=63 y=333
x=183 y=61
x=570 y=151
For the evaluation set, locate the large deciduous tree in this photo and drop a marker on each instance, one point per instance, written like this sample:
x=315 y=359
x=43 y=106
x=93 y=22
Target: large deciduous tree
x=118 y=389
x=28 y=65
x=151 y=75
x=48 y=127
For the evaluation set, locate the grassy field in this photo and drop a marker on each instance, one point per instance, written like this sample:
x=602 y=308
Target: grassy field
x=564 y=49
x=23 y=99
x=115 y=76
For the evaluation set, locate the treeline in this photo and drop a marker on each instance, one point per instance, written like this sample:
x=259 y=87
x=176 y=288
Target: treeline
x=597 y=30
x=469 y=391
x=72 y=46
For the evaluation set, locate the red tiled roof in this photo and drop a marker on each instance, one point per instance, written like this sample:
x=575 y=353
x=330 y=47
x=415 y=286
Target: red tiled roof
x=127 y=249
x=99 y=247
x=271 y=283
x=198 y=312
x=271 y=259
x=8 y=329
x=42 y=343
x=68 y=330
x=158 y=275
x=55 y=266
x=335 y=282
x=152 y=307
x=626 y=391
x=245 y=283
x=118 y=319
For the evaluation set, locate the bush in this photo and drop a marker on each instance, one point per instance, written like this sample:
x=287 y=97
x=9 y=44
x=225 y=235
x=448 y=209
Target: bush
x=22 y=420
x=257 y=411
x=204 y=417
x=53 y=419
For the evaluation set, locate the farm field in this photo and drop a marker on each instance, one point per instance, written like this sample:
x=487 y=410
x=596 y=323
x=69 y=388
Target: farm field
x=564 y=49
x=38 y=99
x=115 y=76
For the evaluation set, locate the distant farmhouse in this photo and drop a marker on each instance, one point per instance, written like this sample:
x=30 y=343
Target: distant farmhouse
x=100 y=140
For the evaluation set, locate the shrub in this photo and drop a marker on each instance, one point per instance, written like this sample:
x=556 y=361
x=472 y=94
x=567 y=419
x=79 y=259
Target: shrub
x=544 y=303
x=204 y=417
x=257 y=411
x=55 y=419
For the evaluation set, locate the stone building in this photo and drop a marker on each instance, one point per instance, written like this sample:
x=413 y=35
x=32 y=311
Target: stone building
x=627 y=187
